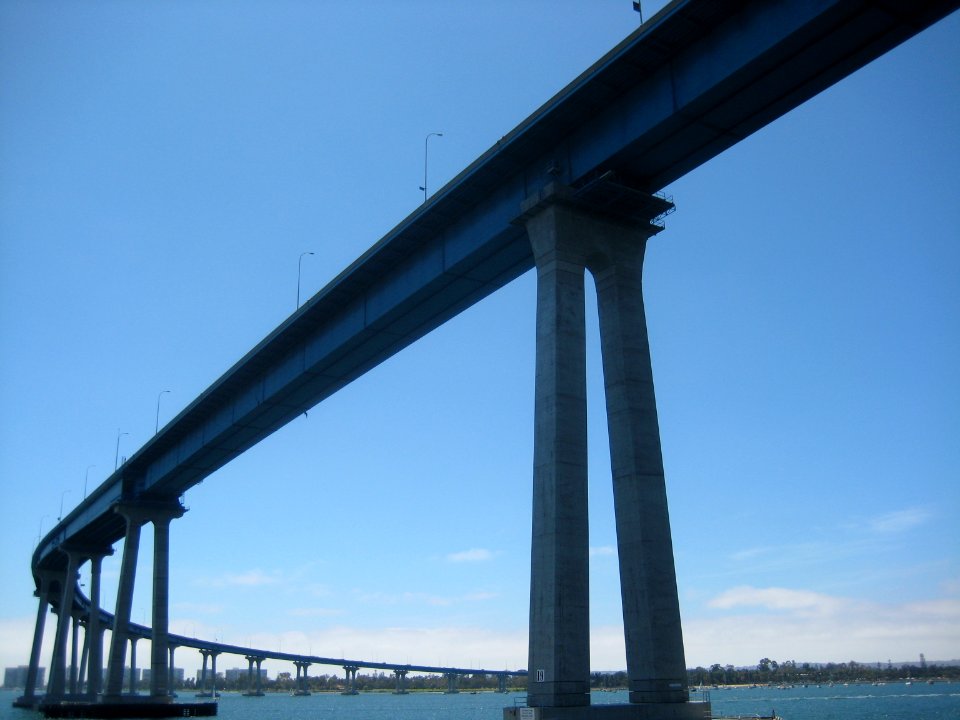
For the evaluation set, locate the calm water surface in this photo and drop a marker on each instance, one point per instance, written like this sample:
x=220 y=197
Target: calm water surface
x=841 y=702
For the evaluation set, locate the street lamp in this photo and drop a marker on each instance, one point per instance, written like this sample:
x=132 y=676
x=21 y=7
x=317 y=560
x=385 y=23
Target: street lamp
x=156 y=429
x=116 y=457
x=40 y=529
x=85 y=476
x=60 y=516
x=426 y=145
x=299 y=268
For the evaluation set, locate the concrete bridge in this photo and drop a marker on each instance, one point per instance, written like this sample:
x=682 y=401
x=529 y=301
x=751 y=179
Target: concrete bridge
x=572 y=188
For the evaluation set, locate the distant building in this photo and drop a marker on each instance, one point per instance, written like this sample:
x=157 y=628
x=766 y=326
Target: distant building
x=16 y=677
x=177 y=676
x=239 y=674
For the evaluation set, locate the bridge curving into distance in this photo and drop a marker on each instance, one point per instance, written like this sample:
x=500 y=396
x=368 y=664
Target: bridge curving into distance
x=573 y=186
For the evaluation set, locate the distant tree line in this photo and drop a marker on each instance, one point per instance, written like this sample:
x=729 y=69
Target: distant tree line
x=789 y=672
x=374 y=682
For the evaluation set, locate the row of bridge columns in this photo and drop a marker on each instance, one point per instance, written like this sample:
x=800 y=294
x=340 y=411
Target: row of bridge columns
x=568 y=236
x=59 y=589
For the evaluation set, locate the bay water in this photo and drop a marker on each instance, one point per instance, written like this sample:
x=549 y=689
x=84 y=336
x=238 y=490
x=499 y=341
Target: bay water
x=893 y=701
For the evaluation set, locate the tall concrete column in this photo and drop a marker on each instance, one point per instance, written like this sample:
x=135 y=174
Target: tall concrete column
x=213 y=672
x=84 y=657
x=159 y=669
x=401 y=677
x=121 y=616
x=559 y=653
x=656 y=667
x=29 y=697
x=74 y=649
x=170 y=668
x=203 y=671
x=133 y=665
x=94 y=626
x=259 y=677
x=351 y=679
x=58 y=665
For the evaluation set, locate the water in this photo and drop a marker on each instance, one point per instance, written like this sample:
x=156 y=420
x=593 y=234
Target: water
x=894 y=701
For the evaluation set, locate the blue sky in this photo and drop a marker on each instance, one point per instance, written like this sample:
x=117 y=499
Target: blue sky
x=164 y=165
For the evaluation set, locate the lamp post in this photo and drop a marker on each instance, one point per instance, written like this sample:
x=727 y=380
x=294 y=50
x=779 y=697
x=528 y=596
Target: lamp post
x=116 y=457
x=156 y=428
x=299 y=269
x=60 y=516
x=40 y=529
x=85 y=476
x=426 y=146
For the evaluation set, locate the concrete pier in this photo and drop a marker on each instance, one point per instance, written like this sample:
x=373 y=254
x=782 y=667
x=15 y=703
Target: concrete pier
x=350 y=687
x=602 y=227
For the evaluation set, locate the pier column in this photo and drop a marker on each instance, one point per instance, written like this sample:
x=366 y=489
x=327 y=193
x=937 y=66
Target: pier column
x=74 y=649
x=133 y=664
x=171 y=681
x=121 y=616
x=84 y=657
x=559 y=652
x=58 y=665
x=203 y=671
x=160 y=517
x=351 y=673
x=94 y=626
x=213 y=672
x=501 y=683
x=602 y=226
x=29 y=697
x=452 y=684
x=249 y=673
x=656 y=667
x=401 y=676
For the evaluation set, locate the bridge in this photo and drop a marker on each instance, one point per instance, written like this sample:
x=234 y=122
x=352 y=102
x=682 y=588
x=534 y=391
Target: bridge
x=571 y=188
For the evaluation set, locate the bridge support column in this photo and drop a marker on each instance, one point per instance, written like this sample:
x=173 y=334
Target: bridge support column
x=259 y=677
x=451 y=684
x=136 y=515
x=559 y=656
x=351 y=680
x=74 y=649
x=568 y=235
x=84 y=657
x=501 y=683
x=159 y=668
x=57 y=686
x=29 y=699
x=213 y=672
x=94 y=627
x=121 y=616
x=401 y=676
x=656 y=667
x=253 y=690
x=301 y=684
x=205 y=654
x=170 y=668
x=133 y=665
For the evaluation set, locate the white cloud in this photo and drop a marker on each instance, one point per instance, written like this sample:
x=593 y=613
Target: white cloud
x=801 y=625
x=314 y=612
x=472 y=555
x=776 y=599
x=602 y=550
x=250 y=578
x=899 y=521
